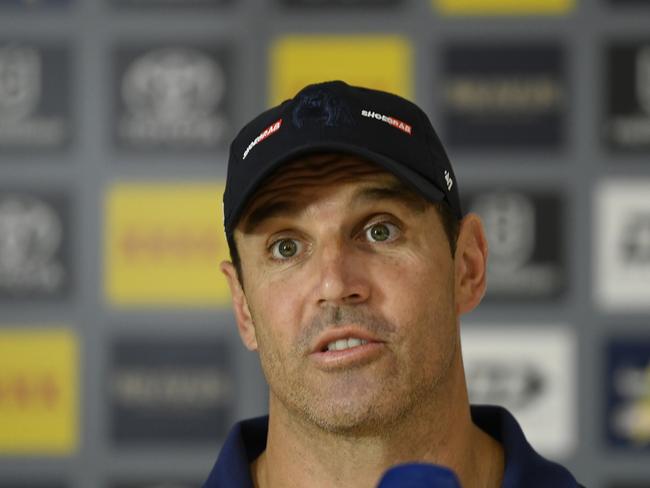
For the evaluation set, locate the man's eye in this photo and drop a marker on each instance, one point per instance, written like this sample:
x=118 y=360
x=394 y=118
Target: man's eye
x=285 y=248
x=381 y=232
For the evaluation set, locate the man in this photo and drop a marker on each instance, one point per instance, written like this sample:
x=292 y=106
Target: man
x=351 y=265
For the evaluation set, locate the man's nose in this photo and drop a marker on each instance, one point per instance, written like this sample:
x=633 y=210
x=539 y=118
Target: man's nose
x=342 y=276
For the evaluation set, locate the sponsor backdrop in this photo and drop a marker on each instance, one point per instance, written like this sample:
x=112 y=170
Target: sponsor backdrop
x=120 y=365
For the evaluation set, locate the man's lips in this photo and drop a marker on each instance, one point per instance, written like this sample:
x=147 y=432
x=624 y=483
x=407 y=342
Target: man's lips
x=357 y=348
x=334 y=340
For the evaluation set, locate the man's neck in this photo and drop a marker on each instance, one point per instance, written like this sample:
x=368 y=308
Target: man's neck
x=300 y=454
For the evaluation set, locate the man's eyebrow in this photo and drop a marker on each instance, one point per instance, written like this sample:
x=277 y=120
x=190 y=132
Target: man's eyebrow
x=397 y=192
x=267 y=212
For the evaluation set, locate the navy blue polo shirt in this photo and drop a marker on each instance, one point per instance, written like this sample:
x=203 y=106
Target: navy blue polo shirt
x=524 y=467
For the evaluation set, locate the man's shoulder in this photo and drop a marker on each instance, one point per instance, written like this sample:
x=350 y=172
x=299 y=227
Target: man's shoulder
x=524 y=466
x=245 y=442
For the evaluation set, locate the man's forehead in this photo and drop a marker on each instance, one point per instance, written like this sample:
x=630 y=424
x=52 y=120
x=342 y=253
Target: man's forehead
x=282 y=191
x=315 y=171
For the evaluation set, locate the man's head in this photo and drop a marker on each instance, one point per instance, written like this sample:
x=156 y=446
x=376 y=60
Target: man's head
x=348 y=286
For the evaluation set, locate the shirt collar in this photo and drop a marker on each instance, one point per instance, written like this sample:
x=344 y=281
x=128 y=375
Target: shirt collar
x=524 y=467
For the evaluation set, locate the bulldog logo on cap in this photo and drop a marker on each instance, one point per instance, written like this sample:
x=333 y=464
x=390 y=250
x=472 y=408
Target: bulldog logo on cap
x=317 y=107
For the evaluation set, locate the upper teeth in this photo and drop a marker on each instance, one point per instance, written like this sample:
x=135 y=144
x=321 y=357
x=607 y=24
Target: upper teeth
x=345 y=344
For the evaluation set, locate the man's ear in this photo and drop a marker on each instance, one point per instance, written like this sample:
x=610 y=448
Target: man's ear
x=470 y=264
x=240 y=306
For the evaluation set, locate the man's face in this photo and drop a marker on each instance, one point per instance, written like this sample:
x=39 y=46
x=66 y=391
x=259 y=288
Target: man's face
x=349 y=283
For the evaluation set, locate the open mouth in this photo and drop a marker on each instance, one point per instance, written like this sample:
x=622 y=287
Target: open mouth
x=344 y=347
x=343 y=344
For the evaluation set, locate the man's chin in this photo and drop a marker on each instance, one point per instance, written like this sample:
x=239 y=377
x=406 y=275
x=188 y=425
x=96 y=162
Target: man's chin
x=360 y=420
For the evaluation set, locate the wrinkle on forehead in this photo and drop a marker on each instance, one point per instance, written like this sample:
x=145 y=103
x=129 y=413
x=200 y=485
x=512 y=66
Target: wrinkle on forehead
x=315 y=171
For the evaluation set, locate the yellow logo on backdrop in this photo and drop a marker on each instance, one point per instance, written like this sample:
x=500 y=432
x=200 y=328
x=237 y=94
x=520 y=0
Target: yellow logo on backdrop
x=382 y=62
x=504 y=7
x=164 y=243
x=38 y=391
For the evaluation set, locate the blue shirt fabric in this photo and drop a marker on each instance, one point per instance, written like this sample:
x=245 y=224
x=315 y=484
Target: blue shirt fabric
x=524 y=467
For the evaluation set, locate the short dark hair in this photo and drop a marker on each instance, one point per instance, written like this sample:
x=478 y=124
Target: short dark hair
x=449 y=222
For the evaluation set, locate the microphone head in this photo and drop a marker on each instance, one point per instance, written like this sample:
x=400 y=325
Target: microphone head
x=419 y=475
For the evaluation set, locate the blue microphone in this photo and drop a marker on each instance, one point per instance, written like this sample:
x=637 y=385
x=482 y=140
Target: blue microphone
x=419 y=475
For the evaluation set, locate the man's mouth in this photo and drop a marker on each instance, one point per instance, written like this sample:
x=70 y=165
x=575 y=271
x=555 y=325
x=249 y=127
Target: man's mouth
x=343 y=338
x=343 y=347
x=342 y=344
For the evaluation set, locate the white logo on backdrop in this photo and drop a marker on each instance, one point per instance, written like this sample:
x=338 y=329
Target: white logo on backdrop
x=530 y=371
x=20 y=81
x=21 y=90
x=635 y=240
x=518 y=384
x=30 y=236
x=510 y=226
x=172 y=96
x=622 y=240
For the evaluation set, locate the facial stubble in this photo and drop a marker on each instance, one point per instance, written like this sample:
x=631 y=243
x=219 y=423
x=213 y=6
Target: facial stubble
x=360 y=401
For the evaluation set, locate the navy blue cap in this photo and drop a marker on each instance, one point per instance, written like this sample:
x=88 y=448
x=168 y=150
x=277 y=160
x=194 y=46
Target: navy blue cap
x=335 y=117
